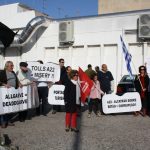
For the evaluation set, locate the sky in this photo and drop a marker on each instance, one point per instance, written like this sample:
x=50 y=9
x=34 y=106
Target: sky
x=60 y=8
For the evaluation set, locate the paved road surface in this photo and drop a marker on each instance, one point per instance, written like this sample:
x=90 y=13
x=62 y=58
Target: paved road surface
x=112 y=132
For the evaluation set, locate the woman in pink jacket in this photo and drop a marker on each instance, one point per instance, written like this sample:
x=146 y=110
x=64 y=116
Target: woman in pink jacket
x=95 y=96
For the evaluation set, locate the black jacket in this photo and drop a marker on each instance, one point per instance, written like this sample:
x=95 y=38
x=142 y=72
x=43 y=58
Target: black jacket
x=70 y=97
x=138 y=85
x=3 y=78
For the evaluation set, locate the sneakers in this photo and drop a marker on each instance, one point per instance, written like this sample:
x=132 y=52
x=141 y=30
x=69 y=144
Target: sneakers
x=10 y=124
x=74 y=130
x=54 y=112
x=89 y=115
x=98 y=114
x=3 y=126
x=67 y=129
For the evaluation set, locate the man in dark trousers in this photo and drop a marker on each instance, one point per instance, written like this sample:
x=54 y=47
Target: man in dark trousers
x=106 y=82
x=63 y=78
x=24 y=78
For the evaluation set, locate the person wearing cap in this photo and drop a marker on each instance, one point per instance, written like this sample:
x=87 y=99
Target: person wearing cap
x=8 y=79
x=24 y=77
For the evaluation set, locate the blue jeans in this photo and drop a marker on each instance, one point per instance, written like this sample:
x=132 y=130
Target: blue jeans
x=3 y=119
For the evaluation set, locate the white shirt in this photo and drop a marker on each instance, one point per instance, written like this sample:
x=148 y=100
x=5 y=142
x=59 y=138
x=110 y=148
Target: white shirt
x=78 y=94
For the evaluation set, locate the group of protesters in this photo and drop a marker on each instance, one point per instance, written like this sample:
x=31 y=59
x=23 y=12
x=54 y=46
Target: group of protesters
x=69 y=78
x=8 y=78
x=103 y=82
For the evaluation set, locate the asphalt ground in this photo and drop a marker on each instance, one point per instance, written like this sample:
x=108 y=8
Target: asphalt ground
x=108 y=132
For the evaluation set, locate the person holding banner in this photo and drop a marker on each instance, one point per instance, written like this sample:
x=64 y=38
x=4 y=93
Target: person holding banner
x=71 y=96
x=24 y=77
x=43 y=95
x=63 y=80
x=8 y=79
x=95 y=96
x=141 y=85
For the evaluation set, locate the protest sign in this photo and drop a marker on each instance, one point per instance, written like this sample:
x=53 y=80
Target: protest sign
x=129 y=102
x=15 y=100
x=56 y=95
x=49 y=72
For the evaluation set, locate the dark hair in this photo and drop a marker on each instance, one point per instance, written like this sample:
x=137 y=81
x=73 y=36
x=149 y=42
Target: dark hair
x=67 y=67
x=97 y=68
x=140 y=68
x=73 y=73
x=61 y=59
x=93 y=75
x=89 y=65
x=23 y=64
x=40 y=61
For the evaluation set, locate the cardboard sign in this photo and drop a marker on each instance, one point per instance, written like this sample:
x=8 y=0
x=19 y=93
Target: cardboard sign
x=129 y=102
x=48 y=72
x=15 y=100
x=56 y=95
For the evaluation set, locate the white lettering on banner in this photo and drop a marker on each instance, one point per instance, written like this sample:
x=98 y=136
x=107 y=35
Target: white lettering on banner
x=129 y=102
x=85 y=86
x=15 y=100
x=56 y=95
x=44 y=72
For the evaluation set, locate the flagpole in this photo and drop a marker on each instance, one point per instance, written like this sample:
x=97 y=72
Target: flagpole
x=136 y=72
x=134 y=67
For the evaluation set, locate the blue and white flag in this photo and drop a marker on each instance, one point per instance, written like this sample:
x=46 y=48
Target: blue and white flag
x=128 y=57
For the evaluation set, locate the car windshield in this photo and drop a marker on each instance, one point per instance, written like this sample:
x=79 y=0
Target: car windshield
x=127 y=78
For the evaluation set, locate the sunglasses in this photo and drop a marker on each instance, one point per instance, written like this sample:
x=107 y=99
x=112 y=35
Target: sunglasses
x=76 y=75
x=62 y=62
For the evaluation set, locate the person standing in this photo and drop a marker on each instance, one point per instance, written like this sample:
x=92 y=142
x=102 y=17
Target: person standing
x=43 y=96
x=97 y=69
x=71 y=96
x=24 y=77
x=68 y=70
x=8 y=79
x=106 y=79
x=63 y=80
x=95 y=96
x=141 y=85
x=90 y=72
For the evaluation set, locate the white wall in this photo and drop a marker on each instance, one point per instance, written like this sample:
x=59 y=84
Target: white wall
x=96 y=41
